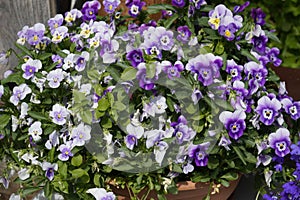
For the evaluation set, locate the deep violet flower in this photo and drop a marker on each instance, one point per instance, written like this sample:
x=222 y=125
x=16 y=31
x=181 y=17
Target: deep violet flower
x=199 y=153
x=90 y=10
x=280 y=142
x=267 y=109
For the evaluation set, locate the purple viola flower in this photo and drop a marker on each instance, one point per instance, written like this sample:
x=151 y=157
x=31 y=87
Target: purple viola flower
x=257 y=74
x=134 y=134
x=259 y=43
x=258 y=15
x=19 y=93
x=178 y=3
x=108 y=50
x=164 y=37
x=191 y=11
x=295 y=153
x=198 y=3
x=267 y=109
x=31 y=67
x=292 y=108
x=81 y=134
x=242 y=7
x=134 y=7
x=101 y=194
x=58 y=59
x=183 y=133
x=199 y=153
x=152 y=48
x=234 y=123
x=234 y=70
x=59 y=34
x=153 y=137
x=53 y=141
x=55 y=77
x=196 y=96
x=65 y=151
x=225 y=142
x=49 y=168
x=90 y=10
x=22 y=35
x=35 y=34
x=228 y=31
x=187 y=168
x=56 y=21
x=166 y=13
x=181 y=120
x=272 y=55
x=280 y=142
x=81 y=61
x=111 y=5
x=239 y=88
x=135 y=57
x=263 y=159
x=184 y=34
x=145 y=82
x=217 y=14
x=59 y=114
x=172 y=70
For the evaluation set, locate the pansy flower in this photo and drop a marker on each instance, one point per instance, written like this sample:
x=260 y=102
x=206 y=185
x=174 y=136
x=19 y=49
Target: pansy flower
x=31 y=67
x=280 y=142
x=268 y=109
x=292 y=108
x=59 y=114
x=90 y=10
x=199 y=153
x=49 y=169
x=19 y=93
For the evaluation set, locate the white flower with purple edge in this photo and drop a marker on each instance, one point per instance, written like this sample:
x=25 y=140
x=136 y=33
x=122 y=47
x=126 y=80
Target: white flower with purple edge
x=81 y=134
x=196 y=96
x=56 y=21
x=59 y=114
x=19 y=93
x=55 y=77
x=31 y=67
x=59 y=34
x=35 y=131
x=69 y=61
x=292 y=108
x=267 y=109
x=49 y=168
x=101 y=194
x=160 y=150
x=134 y=134
x=72 y=15
x=65 y=151
x=81 y=60
x=280 y=141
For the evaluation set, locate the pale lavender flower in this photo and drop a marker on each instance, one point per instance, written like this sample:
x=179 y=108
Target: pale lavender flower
x=111 y=5
x=165 y=38
x=145 y=82
x=72 y=16
x=81 y=134
x=108 y=50
x=56 y=21
x=263 y=159
x=101 y=194
x=81 y=61
x=19 y=93
x=7 y=73
x=59 y=114
x=199 y=153
x=53 y=141
x=187 y=168
x=183 y=133
x=184 y=34
x=216 y=15
x=65 y=151
x=292 y=108
x=90 y=10
x=24 y=173
x=196 y=96
x=55 y=77
x=159 y=104
x=35 y=34
x=153 y=136
x=160 y=150
x=172 y=70
x=69 y=61
x=58 y=59
x=49 y=168
x=31 y=67
x=1 y=91
x=22 y=35
x=35 y=131
x=280 y=141
x=134 y=134
x=59 y=34
x=225 y=142
x=267 y=109
x=234 y=123
x=86 y=30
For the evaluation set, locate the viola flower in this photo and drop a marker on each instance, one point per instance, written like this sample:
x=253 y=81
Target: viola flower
x=234 y=70
x=31 y=67
x=65 y=151
x=90 y=10
x=272 y=55
x=49 y=168
x=134 y=134
x=22 y=35
x=198 y=3
x=55 y=77
x=72 y=16
x=111 y=5
x=165 y=38
x=108 y=50
x=216 y=15
x=178 y=3
x=152 y=48
x=153 y=137
x=242 y=7
x=225 y=142
x=58 y=59
x=257 y=74
x=187 y=168
x=234 y=123
x=59 y=114
x=267 y=109
x=199 y=153
x=101 y=194
x=229 y=30
x=259 y=43
x=1 y=91
x=196 y=96
x=69 y=61
x=141 y=75
x=263 y=159
x=81 y=134
x=292 y=108
x=135 y=57
x=258 y=15
x=35 y=131
x=134 y=7
x=53 y=141
x=56 y=21
x=184 y=34
x=19 y=93
x=160 y=150
x=280 y=142
x=35 y=34
x=183 y=133
x=191 y=10
x=81 y=61
x=59 y=34
x=172 y=70
x=24 y=173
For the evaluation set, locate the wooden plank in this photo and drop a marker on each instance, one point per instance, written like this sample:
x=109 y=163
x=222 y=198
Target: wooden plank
x=16 y=14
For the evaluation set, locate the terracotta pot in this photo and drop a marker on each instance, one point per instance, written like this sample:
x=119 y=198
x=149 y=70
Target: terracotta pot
x=186 y=190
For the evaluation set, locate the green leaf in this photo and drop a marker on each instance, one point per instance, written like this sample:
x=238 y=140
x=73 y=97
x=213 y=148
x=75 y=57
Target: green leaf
x=240 y=154
x=4 y=120
x=106 y=123
x=76 y=160
x=86 y=116
x=63 y=169
x=44 y=56
x=48 y=190
x=230 y=176
x=203 y=21
x=152 y=9
x=224 y=183
x=77 y=173
x=151 y=69
x=24 y=49
x=97 y=180
x=30 y=190
x=129 y=74
x=246 y=53
x=37 y=115
x=170 y=21
x=78 y=96
x=119 y=106
x=103 y=104
x=213 y=163
x=14 y=78
x=272 y=36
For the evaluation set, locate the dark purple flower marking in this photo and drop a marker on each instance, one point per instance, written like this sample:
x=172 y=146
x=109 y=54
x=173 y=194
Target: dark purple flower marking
x=272 y=55
x=178 y=3
x=49 y=168
x=234 y=70
x=199 y=153
x=90 y=10
x=258 y=15
x=280 y=142
x=259 y=43
x=135 y=57
x=184 y=34
x=135 y=7
x=292 y=108
x=268 y=109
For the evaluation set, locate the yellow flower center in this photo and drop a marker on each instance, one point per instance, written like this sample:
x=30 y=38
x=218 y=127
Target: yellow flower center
x=227 y=33
x=215 y=22
x=35 y=38
x=110 y=7
x=80 y=136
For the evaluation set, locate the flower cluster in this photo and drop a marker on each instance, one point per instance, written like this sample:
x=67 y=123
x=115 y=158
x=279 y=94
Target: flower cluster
x=101 y=102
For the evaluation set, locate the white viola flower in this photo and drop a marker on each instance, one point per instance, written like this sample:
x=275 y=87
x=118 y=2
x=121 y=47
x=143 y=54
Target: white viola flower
x=39 y=82
x=34 y=99
x=1 y=90
x=35 y=130
x=24 y=174
x=101 y=193
x=31 y=67
x=81 y=134
x=29 y=158
x=19 y=93
x=86 y=88
x=55 y=77
x=59 y=34
x=86 y=30
x=24 y=110
x=14 y=196
x=53 y=141
x=49 y=168
x=65 y=151
x=81 y=60
x=15 y=122
x=94 y=42
x=59 y=114
x=69 y=61
x=159 y=104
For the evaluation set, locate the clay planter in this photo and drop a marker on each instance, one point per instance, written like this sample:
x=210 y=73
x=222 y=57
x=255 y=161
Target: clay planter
x=186 y=190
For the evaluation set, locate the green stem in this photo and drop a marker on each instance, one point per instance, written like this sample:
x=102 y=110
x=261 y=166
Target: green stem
x=12 y=50
x=144 y=197
x=257 y=195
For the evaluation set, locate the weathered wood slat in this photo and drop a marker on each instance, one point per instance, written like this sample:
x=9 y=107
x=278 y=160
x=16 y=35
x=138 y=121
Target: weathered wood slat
x=15 y=14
